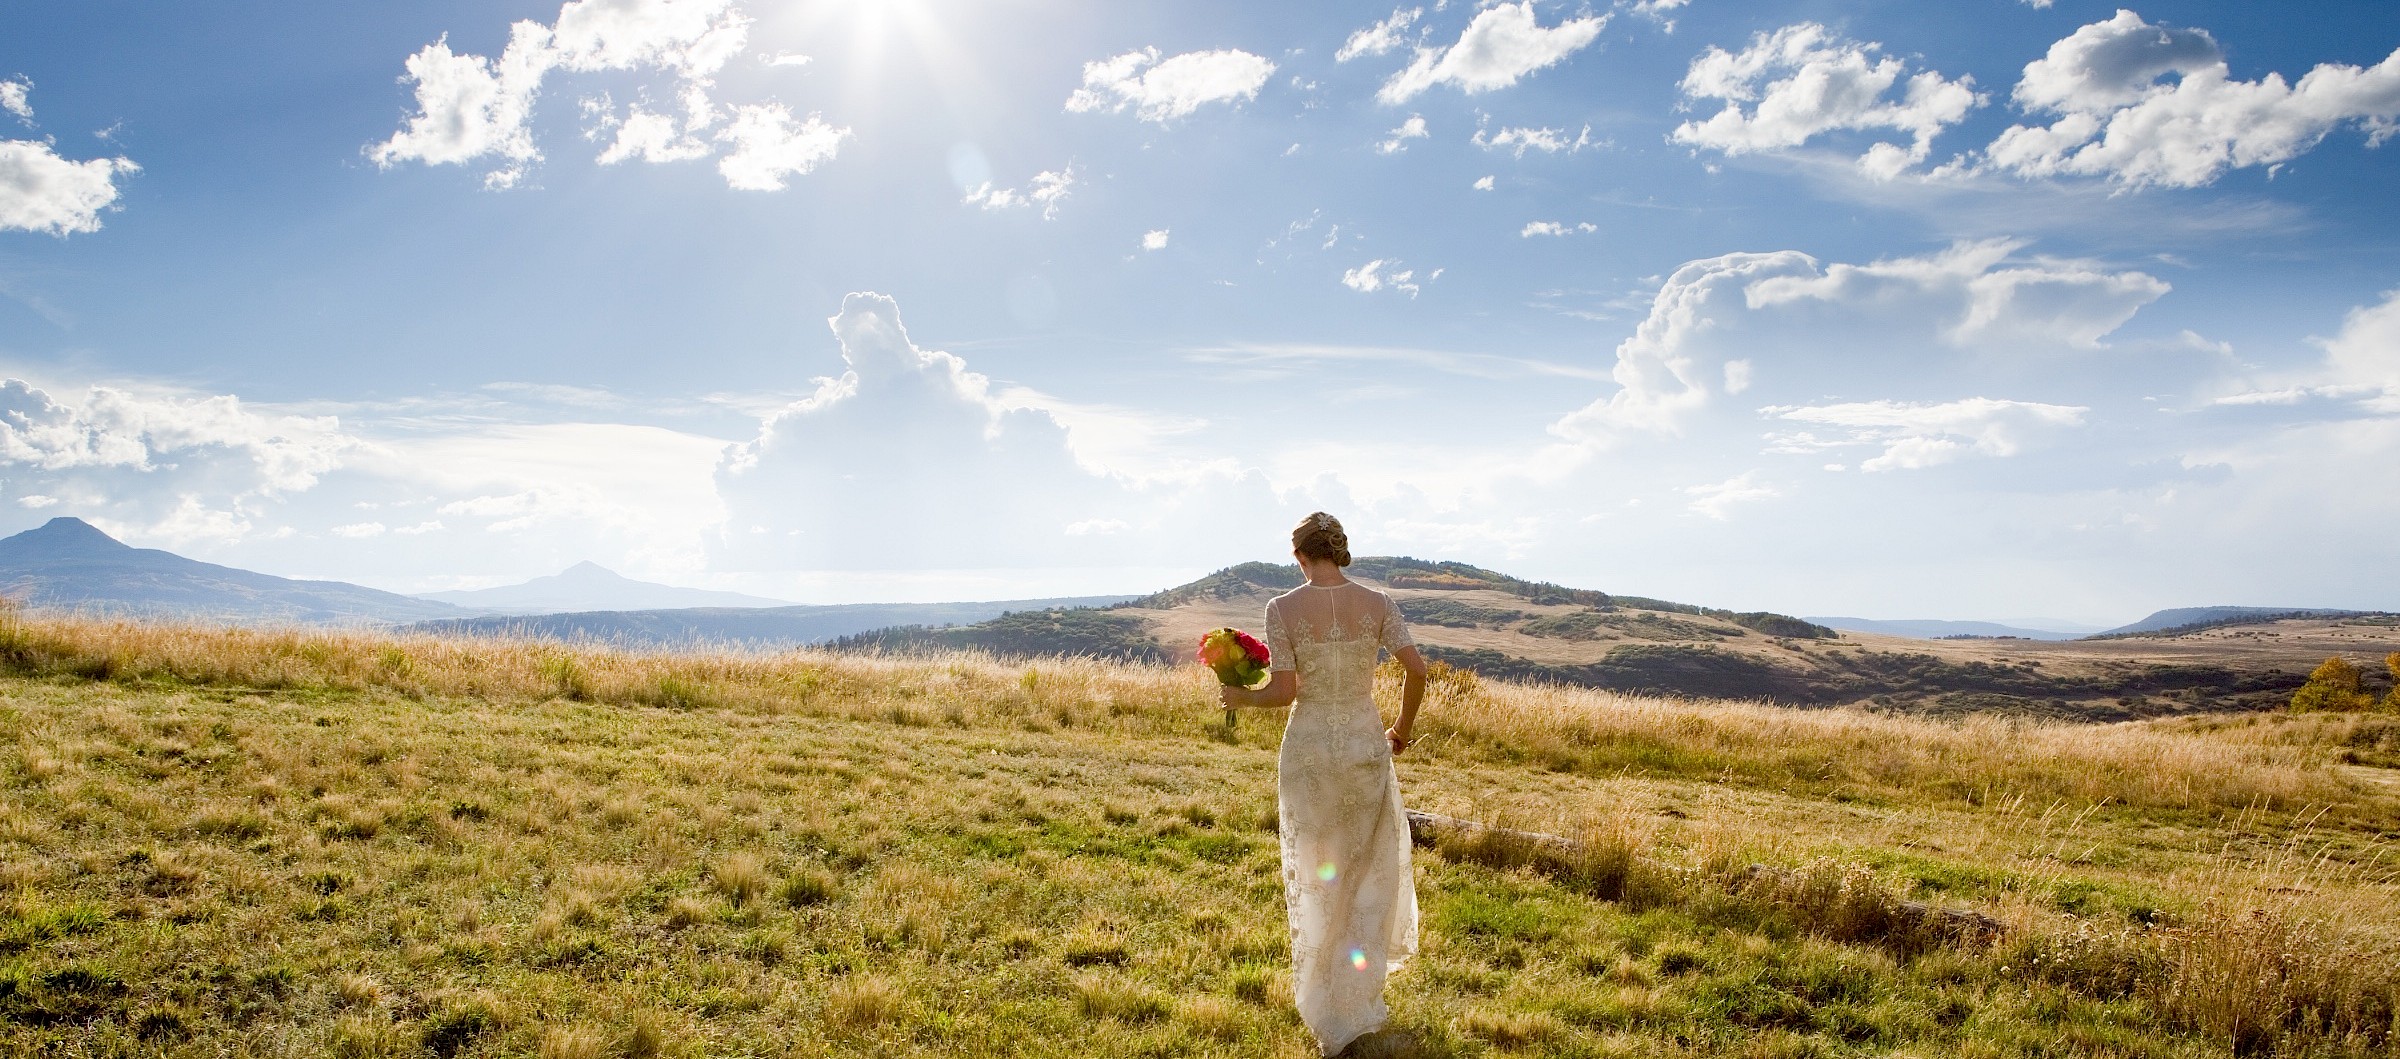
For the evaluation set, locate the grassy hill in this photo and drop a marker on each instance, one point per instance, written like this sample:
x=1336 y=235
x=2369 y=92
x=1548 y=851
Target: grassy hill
x=1505 y=627
x=223 y=841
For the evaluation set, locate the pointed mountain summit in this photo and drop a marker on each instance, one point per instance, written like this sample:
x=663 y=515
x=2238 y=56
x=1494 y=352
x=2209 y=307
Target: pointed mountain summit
x=589 y=586
x=62 y=537
x=69 y=564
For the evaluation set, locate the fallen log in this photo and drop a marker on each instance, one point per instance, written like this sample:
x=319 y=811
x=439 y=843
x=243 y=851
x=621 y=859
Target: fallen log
x=1559 y=854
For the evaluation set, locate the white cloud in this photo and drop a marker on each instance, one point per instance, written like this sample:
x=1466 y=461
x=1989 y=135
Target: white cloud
x=2367 y=350
x=1047 y=190
x=143 y=461
x=2118 y=117
x=1098 y=527
x=115 y=429
x=361 y=530
x=42 y=192
x=1802 y=327
x=1502 y=44
x=1371 y=277
x=1545 y=140
x=1801 y=82
x=14 y=94
x=692 y=37
x=653 y=137
x=1380 y=37
x=471 y=107
x=1412 y=129
x=190 y=522
x=2361 y=369
x=1534 y=228
x=1483 y=184
x=37 y=501
x=1986 y=295
x=1161 y=91
x=768 y=146
x=1155 y=239
x=1916 y=435
x=785 y=58
x=1718 y=500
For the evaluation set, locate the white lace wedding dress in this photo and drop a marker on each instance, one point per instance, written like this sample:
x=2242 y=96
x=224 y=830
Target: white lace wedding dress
x=1347 y=883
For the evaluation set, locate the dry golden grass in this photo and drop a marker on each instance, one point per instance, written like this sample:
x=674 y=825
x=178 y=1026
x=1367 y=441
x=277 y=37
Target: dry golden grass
x=1596 y=732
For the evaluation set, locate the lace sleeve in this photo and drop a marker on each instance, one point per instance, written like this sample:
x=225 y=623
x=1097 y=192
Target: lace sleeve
x=1395 y=627
x=1279 y=642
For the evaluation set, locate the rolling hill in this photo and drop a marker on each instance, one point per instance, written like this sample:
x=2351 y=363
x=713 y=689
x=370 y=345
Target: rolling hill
x=2192 y=619
x=1507 y=627
x=68 y=564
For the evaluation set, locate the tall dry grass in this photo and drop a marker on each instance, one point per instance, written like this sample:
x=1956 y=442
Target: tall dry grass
x=2291 y=955
x=1981 y=759
x=1978 y=760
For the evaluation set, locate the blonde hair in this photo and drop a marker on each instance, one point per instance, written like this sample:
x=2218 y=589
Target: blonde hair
x=1320 y=536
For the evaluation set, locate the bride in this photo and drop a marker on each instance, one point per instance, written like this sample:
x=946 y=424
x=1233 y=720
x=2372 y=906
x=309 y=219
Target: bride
x=1347 y=885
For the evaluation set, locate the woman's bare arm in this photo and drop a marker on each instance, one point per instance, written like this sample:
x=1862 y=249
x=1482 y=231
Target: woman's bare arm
x=1412 y=695
x=1282 y=687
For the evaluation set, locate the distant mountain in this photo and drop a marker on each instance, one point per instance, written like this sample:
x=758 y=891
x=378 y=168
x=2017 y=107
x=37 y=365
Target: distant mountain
x=589 y=586
x=1934 y=629
x=67 y=564
x=2192 y=618
x=2074 y=628
x=762 y=626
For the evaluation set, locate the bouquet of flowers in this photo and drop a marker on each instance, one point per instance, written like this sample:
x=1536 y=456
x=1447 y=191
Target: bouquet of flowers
x=1238 y=658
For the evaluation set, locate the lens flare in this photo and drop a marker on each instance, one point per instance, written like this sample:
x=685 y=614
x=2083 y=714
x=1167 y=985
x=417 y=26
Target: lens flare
x=1358 y=959
x=1326 y=872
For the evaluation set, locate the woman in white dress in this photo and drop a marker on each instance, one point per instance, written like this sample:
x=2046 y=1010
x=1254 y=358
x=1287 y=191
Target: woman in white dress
x=1348 y=887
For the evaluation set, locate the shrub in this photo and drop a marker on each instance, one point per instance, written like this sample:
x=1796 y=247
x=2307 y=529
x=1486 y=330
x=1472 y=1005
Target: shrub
x=2332 y=686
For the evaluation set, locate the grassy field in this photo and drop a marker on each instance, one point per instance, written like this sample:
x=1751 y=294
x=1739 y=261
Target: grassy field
x=218 y=842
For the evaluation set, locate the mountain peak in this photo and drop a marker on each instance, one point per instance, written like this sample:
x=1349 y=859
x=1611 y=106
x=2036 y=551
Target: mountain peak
x=64 y=535
x=588 y=570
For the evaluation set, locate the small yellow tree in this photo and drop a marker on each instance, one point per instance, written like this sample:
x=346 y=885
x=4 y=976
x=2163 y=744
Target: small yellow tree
x=2391 y=699
x=2333 y=686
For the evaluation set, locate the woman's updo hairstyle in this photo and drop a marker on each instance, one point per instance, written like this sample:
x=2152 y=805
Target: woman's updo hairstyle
x=1320 y=536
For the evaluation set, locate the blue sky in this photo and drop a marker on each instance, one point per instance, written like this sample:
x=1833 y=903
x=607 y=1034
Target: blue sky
x=2063 y=310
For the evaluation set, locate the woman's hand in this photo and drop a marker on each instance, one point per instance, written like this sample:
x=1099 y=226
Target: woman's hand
x=1398 y=739
x=1226 y=695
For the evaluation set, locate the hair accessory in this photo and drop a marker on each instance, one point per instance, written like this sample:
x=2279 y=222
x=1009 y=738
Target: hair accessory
x=1324 y=521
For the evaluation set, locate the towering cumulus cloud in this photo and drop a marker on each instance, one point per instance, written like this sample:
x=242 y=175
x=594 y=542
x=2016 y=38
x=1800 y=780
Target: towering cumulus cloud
x=911 y=461
x=906 y=460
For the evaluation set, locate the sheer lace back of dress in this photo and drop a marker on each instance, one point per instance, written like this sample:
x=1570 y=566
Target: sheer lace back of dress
x=1330 y=636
